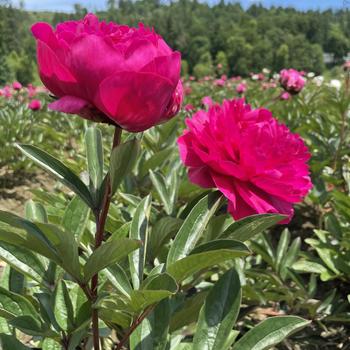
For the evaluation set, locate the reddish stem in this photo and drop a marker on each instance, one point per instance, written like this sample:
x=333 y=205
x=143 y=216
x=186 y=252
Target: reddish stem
x=101 y=217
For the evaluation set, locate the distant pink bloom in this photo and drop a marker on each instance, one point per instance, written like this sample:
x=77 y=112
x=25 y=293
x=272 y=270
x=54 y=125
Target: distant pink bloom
x=17 y=85
x=31 y=90
x=207 y=101
x=291 y=80
x=192 y=78
x=207 y=78
x=34 y=105
x=256 y=162
x=346 y=65
x=219 y=66
x=241 y=88
x=219 y=82
x=285 y=96
x=224 y=77
x=7 y=92
x=2 y=92
x=189 y=108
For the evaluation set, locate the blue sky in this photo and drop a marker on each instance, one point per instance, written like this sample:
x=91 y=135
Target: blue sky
x=67 y=5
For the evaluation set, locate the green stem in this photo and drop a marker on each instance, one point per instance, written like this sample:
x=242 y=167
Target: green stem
x=101 y=217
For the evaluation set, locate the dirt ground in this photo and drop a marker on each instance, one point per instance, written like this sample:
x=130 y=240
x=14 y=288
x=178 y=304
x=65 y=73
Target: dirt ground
x=15 y=188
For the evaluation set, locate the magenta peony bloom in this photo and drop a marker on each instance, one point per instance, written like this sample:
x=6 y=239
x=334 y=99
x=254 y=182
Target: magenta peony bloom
x=32 y=90
x=7 y=92
x=16 y=85
x=109 y=72
x=207 y=101
x=241 y=88
x=34 y=105
x=292 y=81
x=285 y=96
x=256 y=162
x=219 y=82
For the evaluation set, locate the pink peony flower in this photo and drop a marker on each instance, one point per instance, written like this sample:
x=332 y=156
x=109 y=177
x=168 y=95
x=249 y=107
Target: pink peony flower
x=285 y=96
x=34 y=105
x=219 y=82
x=256 y=162
x=291 y=80
x=16 y=85
x=207 y=101
x=241 y=88
x=31 y=90
x=109 y=72
x=7 y=92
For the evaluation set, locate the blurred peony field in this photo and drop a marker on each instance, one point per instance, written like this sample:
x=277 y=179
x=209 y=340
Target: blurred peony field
x=143 y=208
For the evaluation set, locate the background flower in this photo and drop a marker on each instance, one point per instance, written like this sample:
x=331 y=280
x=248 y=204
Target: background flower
x=292 y=80
x=256 y=162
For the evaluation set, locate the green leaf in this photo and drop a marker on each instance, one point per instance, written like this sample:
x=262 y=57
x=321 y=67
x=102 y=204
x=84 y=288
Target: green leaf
x=28 y=325
x=194 y=263
x=270 y=332
x=23 y=260
x=162 y=231
x=193 y=227
x=141 y=338
x=282 y=248
x=219 y=313
x=16 y=281
x=63 y=309
x=161 y=187
x=114 y=316
x=139 y=231
x=140 y=299
x=35 y=211
x=94 y=155
x=250 y=226
x=290 y=257
x=66 y=247
x=76 y=217
x=162 y=281
x=33 y=238
x=152 y=333
x=220 y=244
x=118 y=278
x=59 y=170
x=9 y=342
x=187 y=312
x=13 y=305
x=123 y=159
x=108 y=254
x=51 y=344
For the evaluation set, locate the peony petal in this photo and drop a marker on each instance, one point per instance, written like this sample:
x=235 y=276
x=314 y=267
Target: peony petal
x=187 y=154
x=44 y=32
x=135 y=101
x=168 y=67
x=201 y=177
x=55 y=76
x=69 y=104
x=92 y=60
x=262 y=202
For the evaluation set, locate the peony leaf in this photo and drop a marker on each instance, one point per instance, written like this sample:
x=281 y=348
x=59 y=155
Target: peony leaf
x=270 y=332
x=219 y=313
x=193 y=227
x=59 y=170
